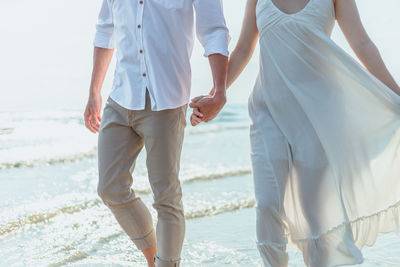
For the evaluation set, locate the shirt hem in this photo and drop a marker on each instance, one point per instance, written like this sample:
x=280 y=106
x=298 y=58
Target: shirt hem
x=157 y=109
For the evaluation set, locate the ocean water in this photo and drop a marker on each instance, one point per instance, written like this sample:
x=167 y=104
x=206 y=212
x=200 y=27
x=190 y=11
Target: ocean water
x=50 y=214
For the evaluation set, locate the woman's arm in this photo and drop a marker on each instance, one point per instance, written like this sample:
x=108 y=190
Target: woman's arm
x=350 y=23
x=244 y=49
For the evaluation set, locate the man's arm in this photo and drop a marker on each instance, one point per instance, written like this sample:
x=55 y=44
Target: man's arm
x=214 y=36
x=240 y=56
x=211 y=105
x=101 y=61
x=103 y=51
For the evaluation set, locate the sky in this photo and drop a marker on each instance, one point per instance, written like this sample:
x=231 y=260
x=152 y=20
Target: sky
x=46 y=51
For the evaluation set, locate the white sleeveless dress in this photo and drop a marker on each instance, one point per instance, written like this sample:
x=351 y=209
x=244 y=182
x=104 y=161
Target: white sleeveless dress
x=325 y=139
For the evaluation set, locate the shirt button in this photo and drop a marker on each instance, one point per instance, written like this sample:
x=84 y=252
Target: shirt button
x=139 y=26
x=144 y=75
x=141 y=2
x=141 y=51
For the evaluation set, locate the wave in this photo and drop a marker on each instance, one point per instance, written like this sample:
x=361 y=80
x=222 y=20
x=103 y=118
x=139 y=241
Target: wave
x=222 y=208
x=79 y=255
x=41 y=217
x=4 y=131
x=75 y=157
x=49 y=161
x=50 y=115
x=45 y=216
x=237 y=172
x=194 y=214
x=204 y=177
x=215 y=128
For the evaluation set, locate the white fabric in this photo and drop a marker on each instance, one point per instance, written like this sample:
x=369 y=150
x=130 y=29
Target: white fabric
x=165 y=37
x=325 y=142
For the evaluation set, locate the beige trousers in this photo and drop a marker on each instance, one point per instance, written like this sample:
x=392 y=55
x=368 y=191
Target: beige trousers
x=122 y=135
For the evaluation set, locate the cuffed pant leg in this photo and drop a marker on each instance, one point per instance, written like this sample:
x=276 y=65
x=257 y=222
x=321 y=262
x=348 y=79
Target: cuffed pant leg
x=166 y=263
x=163 y=132
x=270 y=227
x=135 y=219
x=273 y=255
x=118 y=148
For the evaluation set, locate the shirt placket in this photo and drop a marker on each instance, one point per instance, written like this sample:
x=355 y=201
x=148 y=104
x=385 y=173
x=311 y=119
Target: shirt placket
x=141 y=50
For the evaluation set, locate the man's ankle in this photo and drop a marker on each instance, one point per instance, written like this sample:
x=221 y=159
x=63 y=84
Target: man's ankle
x=149 y=254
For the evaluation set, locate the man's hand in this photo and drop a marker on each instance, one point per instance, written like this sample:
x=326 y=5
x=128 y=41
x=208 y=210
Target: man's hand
x=207 y=107
x=92 y=113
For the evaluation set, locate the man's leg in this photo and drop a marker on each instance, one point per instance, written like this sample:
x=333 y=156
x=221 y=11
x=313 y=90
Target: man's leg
x=163 y=133
x=119 y=146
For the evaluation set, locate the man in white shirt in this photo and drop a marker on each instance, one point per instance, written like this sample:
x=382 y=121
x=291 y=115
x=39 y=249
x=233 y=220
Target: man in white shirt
x=147 y=107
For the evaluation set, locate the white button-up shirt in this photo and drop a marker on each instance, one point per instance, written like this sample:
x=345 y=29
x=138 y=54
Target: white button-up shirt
x=154 y=41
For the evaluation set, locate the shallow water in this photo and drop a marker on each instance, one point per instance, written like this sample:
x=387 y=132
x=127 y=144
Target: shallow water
x=50 y=214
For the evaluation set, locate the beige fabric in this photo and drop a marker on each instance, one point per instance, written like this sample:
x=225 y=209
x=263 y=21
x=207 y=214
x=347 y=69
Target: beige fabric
x=123 y=133
x=325 y=142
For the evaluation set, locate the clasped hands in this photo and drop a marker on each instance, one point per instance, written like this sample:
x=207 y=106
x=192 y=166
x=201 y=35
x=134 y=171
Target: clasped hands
x=206 y=107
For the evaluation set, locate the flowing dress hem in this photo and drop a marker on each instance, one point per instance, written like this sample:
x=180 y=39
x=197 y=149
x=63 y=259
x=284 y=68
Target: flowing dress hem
x=342 y=244
x=390 y=215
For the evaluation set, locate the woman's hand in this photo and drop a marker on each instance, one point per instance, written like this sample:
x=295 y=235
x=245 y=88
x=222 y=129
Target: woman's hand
x=196 y=117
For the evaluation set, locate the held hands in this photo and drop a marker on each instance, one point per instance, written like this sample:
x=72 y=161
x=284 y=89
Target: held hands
x=207 y=107
x=92 y=113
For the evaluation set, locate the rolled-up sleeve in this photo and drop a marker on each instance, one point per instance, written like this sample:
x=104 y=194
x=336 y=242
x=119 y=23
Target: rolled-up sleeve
x=211 y=27
x=104 y=36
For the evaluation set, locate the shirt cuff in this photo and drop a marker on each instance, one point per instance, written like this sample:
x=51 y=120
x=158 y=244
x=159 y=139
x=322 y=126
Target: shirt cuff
x=104 y=40
x=218 y=44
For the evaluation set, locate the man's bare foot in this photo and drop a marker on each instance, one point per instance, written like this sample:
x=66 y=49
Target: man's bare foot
x=149 y=253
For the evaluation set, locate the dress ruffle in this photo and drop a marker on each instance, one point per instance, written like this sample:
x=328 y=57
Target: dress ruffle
x=338 y=245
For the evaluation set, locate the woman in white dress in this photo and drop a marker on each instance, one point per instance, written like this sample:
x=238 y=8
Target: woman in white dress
x=325 y=138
